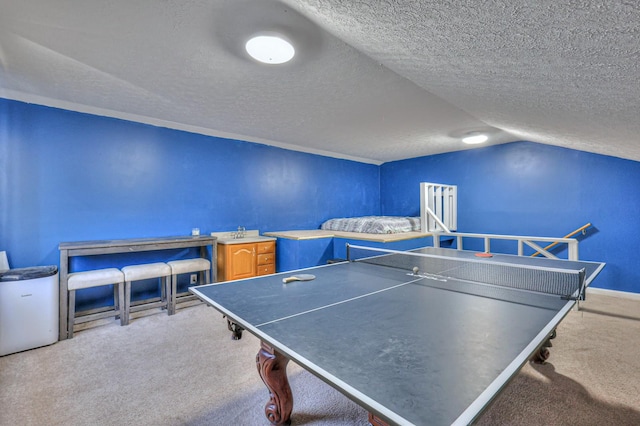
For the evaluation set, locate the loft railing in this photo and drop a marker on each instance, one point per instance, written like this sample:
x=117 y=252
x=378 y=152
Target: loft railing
x=572 y=243
x=438 y=207
x=582 y=229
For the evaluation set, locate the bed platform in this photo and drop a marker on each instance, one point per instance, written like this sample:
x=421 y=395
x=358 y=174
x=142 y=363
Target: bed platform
x=307 y=248
x=324 y=233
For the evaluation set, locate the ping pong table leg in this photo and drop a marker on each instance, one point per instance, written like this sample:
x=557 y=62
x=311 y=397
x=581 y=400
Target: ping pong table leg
x=376 y=421
x=272 y=367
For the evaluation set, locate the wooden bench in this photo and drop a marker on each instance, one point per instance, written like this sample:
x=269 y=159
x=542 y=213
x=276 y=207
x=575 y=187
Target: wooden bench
x=187 y=266
x=69 y=250
x=90 y=279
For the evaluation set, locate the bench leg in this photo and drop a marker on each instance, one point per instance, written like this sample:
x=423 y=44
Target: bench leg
x=71 y=312
x=164 y=294
x=116 y=300
x=174 y=291
x=127 y=303
x=168 y=294
x=121 y=302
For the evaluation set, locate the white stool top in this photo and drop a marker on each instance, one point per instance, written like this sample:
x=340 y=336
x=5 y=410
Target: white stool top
x=147 y=270
x=95 y=278
x=189 y=265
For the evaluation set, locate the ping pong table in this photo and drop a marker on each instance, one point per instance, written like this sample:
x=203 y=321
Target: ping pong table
x=428 y=336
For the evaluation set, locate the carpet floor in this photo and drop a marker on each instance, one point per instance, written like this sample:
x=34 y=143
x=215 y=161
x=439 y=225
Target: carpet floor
x=185 y=370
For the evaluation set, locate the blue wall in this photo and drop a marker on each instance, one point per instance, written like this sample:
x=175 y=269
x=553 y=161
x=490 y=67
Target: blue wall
x=67 y=176
x=525 y=188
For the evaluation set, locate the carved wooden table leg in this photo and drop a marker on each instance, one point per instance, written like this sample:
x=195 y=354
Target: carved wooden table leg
x=376 y=421
x=272 y=367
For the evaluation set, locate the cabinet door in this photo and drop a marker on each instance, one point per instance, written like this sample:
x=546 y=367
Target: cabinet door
x=241 y=261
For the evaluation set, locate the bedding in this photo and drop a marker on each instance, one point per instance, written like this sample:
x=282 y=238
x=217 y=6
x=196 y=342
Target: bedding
x=373 y=224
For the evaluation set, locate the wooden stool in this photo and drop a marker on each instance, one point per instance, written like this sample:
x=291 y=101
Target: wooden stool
x=186 y=266
x=95 y=278
x=142 y=272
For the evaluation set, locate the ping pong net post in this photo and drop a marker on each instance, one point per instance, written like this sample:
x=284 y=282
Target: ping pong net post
x=567 y=283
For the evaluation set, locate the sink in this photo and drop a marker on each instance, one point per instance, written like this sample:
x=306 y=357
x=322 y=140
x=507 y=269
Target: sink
x=249 y=237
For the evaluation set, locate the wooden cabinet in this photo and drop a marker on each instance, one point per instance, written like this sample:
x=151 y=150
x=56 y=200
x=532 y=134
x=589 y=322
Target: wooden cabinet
x=266 y=258
x=245 y=260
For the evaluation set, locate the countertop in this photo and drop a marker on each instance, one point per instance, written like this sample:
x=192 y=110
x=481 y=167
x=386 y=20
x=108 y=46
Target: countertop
x=251 y=236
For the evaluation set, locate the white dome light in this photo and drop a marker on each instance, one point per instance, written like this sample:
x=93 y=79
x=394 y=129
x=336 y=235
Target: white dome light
x=474 y=139
x=270 y=49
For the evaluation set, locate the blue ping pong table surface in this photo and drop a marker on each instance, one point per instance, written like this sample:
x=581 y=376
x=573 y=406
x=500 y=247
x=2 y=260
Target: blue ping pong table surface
x=407 y=351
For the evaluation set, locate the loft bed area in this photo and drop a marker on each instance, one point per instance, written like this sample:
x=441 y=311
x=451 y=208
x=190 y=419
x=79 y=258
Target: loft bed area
x=298 y=249
x=438 y=205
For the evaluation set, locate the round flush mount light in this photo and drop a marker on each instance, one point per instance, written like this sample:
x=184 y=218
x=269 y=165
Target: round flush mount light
x=270 y=49
x=475 y=138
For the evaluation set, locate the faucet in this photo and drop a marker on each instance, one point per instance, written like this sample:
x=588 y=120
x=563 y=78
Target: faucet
x=240 y=233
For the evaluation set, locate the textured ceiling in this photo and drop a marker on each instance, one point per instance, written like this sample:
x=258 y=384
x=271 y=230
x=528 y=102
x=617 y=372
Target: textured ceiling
x=373 y=81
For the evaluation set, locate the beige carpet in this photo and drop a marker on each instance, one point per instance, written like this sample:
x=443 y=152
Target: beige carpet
x=185 y=370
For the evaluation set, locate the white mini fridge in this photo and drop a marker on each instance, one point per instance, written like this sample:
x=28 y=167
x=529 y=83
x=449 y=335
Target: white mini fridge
x=28 y=308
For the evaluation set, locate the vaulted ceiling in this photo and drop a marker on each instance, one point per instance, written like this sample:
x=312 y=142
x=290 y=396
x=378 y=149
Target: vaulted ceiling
x=373 y=81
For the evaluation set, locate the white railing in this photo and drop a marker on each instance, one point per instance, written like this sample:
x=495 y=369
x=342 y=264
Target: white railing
x=438 y=207
x=572 y=243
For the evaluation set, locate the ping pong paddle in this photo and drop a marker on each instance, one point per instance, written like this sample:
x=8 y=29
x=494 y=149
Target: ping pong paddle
x=484 y=255
x=299 y=277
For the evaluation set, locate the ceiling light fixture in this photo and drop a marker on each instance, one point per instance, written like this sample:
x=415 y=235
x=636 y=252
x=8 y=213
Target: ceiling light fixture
x=270 y=49
x=475 y=138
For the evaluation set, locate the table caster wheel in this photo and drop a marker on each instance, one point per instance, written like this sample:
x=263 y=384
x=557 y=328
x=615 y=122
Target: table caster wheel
x=543 y=355
x=235 y=329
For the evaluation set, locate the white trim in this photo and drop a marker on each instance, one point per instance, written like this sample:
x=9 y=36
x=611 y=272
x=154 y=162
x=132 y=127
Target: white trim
x=613 y=293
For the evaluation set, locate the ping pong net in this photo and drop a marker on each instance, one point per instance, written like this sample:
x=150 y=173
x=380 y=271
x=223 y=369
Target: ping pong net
x=464 y=274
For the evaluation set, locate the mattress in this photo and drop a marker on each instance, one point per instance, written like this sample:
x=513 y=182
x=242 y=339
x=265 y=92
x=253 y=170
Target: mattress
x=373 y=224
